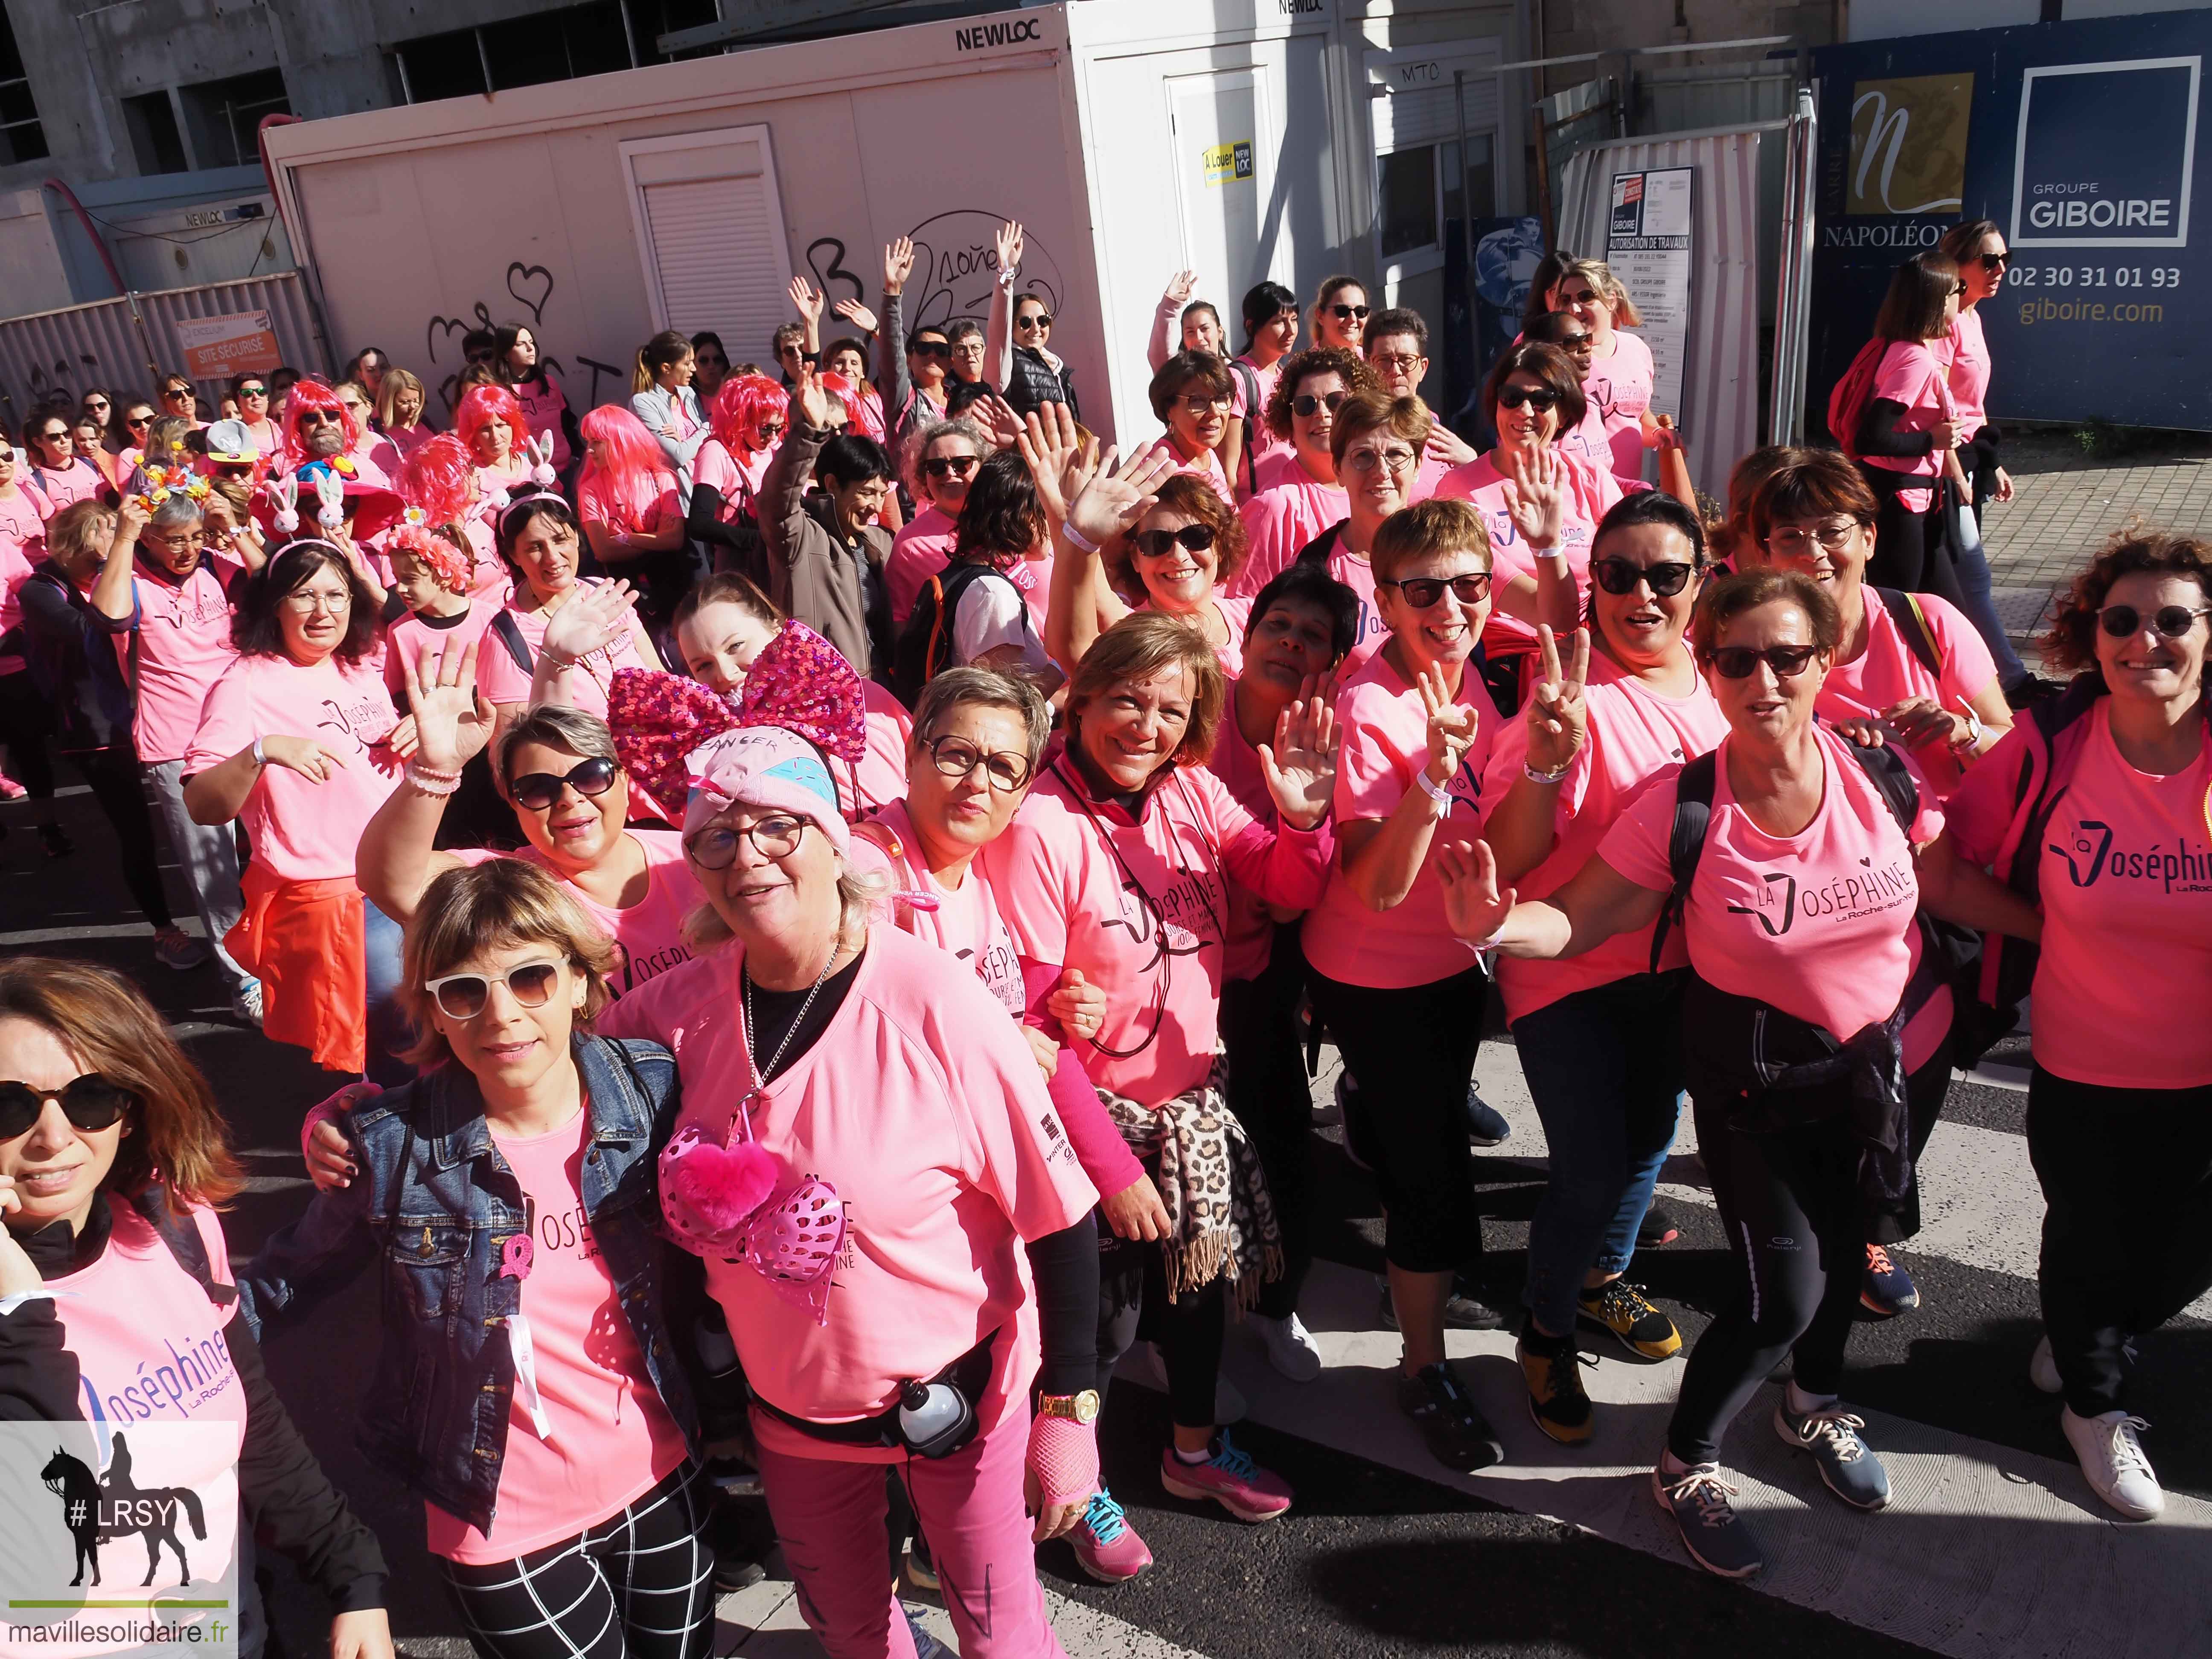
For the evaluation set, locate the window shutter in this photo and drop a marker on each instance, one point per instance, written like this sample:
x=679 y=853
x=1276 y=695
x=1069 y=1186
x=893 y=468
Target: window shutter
x=717 y=248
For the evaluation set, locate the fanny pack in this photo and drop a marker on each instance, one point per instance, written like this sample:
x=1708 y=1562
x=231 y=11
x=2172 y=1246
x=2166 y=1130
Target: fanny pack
x=935 y=1417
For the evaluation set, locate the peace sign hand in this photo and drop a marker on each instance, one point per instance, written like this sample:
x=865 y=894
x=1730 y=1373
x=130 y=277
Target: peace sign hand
x=1536 y=497
x=1451 y=726
x=452 y=719
x=1300 y=765
x=1558 y=713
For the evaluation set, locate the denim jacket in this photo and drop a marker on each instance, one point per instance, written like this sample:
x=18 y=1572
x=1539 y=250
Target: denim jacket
x=433 y=1203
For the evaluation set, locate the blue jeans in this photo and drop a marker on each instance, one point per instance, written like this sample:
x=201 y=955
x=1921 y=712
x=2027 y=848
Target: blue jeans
x=1981 y=609
x=1605 y=1070
x=389 y=1029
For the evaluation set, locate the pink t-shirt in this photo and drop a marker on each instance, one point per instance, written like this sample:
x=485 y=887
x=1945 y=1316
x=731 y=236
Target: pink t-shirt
x=965 y=921
x=648 y=935
x=1140 y=907
x=404 y=640
x=599 y=499
x=1385 y=733
x=1621 y=387
x=1590 y=443
x=922 y=1106
x=183 y=647
x=1912 y=374
x=375 y=459
x=544 y=404
x=80 y=481
x=1033 y=578
x=1635 y=734
x=1432 y=471
x=1207 y=467
x=22 y=545
x=1290 y=510
x=1234 y=613
x=1819 y=924
x=1887 y=673
x=1264 y=444
x=505 y=680
x=611 y=1440
x=2125 y=879
x=408 y=439
x=880 y=776
x=303 y=831
x=922 y=547
x=150 y=1348
x=1251 y=930
x=1969 y=376
x=1590 y=493
x=737 y=484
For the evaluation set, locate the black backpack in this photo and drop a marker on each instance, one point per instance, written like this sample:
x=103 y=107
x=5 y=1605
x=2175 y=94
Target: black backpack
x=924 y=649
x=1255 y=422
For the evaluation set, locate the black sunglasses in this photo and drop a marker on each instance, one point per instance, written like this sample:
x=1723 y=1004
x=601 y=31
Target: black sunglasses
x=955 y=757
x=1341 y=313
x=1619 y=576
x=1994 y=261
x=90 y=1102
x=1154 y=544
x=539 y=790
x=2125 y=622
x=1042 y=319
x=949 y=466
x=1739 y=662
x=136 y=421
x=1307 y=402
x=709 y=360
x=1422 y=591
x=1542 y=398
x=932 y=348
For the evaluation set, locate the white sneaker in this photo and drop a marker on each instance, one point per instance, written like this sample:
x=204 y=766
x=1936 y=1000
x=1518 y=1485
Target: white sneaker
x=246 y=1001
x=1150 y=1368
x=2113 y=1463
x=2043 y=1369
x=1291 y=1348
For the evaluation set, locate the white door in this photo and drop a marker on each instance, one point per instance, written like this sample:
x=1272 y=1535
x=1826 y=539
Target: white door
x=710 y=232
x=1222 y=176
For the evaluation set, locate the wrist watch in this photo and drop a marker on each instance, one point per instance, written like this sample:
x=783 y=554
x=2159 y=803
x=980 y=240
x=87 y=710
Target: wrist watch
x=1075 y=1407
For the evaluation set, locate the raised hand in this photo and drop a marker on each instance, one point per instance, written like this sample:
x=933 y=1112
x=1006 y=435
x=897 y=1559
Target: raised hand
x=857 y=314
x=1300 y=765
x=452 y=719
x=1559 y=714
x=1474 y=907
x=898 y=265
x=317 y=763
x=1451 y=724
x=1181 y=286
x=808 y=399
x=1060 y=457
x=997 y=418
x=806 y=299
x=594 y=619
x=1009 y=247
x=19 y=1274
x=1536 y=495
x=1113 y=501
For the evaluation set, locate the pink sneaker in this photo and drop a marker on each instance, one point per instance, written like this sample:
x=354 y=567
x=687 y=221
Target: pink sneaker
x=1230 y=1479
x=11 y=790
x=1106 y=1546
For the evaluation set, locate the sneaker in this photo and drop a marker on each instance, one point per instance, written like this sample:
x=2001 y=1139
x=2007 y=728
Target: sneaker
x=1620 y=1307
x=2043 y=1369
x=56 y=840
x=2112 y=1462
x=1106 y=1546
x=1888 y=1290
x=921 y=1570
x=1462 y=1312
x=175 y=948
x=1698 y=1500
x=1291 y=1348
x=733 y=1573
x=1485 y=1124
x=1555 y=1397
x=926 y=1646
x=1229 y=1478
x=1458 y=1436
x=1830 y=1438
x=1152 y=1371
x=1656 y=1228
x=11 y=790
x=246 y=1002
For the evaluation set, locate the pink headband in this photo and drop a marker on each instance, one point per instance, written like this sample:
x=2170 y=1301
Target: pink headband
x=766 y=766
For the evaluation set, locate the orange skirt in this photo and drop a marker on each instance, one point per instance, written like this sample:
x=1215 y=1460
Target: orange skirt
x=306 y=942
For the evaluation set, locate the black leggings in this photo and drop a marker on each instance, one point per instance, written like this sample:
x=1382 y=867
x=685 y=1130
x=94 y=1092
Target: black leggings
x=639 y=1583
x=1797 y=1227
x=1134 y=1305
x=23 y=729
x=1910 y=550
x=112 y=773
x=1268 y=1091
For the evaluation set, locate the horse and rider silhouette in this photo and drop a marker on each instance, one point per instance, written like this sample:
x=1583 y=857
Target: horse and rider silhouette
x=95 y=1513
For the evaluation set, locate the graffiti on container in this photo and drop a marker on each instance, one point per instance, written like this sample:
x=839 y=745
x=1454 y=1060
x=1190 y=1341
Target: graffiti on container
x=832 y=270
x=955 y=261
x=45 y=387
x=530 y=286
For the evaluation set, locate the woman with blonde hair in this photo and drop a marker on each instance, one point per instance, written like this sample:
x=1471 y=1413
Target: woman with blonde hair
x=403 y=411
x=114 y=1280
x=1620 y=382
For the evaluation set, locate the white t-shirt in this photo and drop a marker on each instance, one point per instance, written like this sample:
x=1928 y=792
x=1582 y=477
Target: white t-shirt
x=991 y=612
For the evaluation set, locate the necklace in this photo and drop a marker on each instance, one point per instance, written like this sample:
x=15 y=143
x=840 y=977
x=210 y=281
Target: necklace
x=759 y=1090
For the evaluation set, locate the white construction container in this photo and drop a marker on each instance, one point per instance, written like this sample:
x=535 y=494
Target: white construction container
x=1243 y=138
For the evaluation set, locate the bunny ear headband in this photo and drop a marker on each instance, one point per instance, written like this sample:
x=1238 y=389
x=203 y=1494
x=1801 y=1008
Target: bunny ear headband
x=330 y=490
x=286 y=491
x=540 y=453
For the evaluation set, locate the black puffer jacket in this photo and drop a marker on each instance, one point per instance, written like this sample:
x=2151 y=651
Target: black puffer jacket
x=1031 y=383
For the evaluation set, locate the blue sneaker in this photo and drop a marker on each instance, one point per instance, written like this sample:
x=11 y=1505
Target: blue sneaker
x=1697 y=1501
x=1888 y=1290
x=1485 y=1124
x=1830 y=1438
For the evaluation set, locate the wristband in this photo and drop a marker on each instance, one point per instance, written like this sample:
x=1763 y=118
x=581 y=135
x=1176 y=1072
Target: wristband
x=431 y=783
x=259 y=759
x=1436 y=791
x=1535 y=776
x=1076 y=538
x=557 y=659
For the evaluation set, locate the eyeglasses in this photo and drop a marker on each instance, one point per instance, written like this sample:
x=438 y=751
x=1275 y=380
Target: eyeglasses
x=1202 y=403
x=1994 y=261
x=1397 y=362
x=931 y=349
x=1542 y=398
x=1307 y=402
x=463 y=996
x=771 y=428
x=336 y=604
x=90 y=1102
x=2125 y=622
x=1790 y=539
x=101 y=403
x=253 y=392
x=1423 y=592
x=55 y=435
x=1739 y=662
x=715 y=847
x=179 y=541
x=1042 y=319
x=1366 y=460
x=712 y=361
x=1349 y=313
x=1619 y=576
x=1584 y=297
x=539 y=790
x=1155 y=543
x=949 y=466
x=955 y=757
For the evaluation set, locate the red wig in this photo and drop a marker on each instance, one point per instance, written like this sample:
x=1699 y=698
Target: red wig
x=437 y=478
x=743 y=402
x=480 y=406
x=635 y=475
x=312 y=393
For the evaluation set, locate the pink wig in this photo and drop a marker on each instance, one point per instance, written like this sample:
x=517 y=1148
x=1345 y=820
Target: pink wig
x=742 y=403
x=635 y=475
x=437 y=478
x=312 y=393
x=480 y=406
